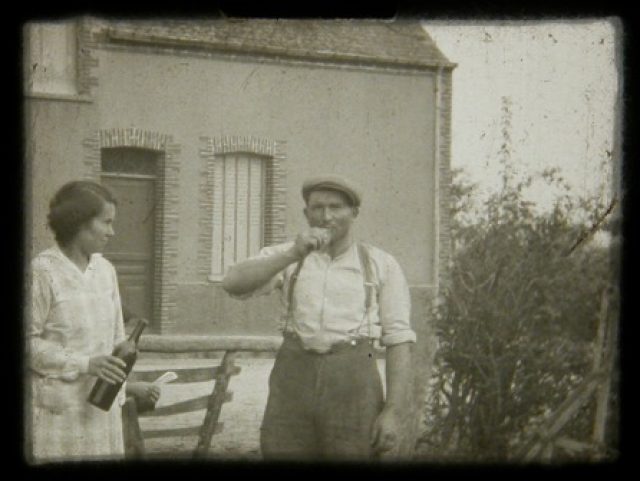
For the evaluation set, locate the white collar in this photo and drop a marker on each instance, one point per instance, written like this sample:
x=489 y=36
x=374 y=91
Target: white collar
x=349 y=258
x=59 y=253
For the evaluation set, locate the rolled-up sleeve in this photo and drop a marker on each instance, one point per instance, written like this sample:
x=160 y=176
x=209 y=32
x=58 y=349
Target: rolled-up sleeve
x=48 y=357
x=276 y=281
x=395 y=306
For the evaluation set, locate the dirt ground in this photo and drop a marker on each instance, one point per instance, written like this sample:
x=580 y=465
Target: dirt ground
x=239 y=439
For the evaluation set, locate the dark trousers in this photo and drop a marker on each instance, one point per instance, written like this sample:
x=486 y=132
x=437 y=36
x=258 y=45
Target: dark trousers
x=321 y=406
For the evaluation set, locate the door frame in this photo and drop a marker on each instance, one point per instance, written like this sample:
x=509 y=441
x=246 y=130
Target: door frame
x=167 y=208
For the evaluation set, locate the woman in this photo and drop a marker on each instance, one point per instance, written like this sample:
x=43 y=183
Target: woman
x=76 y=321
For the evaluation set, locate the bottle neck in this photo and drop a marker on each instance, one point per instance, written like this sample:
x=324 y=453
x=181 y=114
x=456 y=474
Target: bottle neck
x=135 y=334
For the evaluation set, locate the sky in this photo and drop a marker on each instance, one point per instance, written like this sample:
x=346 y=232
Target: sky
x=560 y=80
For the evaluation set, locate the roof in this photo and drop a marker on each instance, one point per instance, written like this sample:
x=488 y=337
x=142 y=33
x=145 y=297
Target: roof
x=398 y=43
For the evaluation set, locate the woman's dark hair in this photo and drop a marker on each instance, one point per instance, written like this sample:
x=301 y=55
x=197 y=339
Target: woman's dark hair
x=76 y=203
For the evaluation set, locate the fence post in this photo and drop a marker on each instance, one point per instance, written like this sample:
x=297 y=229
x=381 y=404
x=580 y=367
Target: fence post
x=210 y=423
x=608 y=329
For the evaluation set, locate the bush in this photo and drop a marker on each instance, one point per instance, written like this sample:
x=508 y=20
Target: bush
x=517 y=322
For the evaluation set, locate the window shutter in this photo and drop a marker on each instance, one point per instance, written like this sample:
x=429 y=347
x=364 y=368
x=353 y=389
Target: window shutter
x=217 y=229
x=52 y=58
x=238 y=210
x=229 y=213
x=256 y=206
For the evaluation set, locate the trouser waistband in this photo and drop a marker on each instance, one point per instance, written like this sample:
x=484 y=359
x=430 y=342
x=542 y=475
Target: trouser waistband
x=293 y=341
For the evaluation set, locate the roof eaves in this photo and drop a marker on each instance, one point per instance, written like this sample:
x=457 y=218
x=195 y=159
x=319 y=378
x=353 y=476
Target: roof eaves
x=126 y=36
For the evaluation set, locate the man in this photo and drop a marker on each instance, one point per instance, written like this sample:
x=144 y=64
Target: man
x=339 y=296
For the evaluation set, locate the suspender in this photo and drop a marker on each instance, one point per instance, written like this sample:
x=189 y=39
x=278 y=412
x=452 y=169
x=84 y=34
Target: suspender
x=369 y=285
x=292 y=283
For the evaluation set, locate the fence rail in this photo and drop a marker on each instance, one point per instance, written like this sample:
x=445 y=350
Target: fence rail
x=193 y=343
x=181 y=344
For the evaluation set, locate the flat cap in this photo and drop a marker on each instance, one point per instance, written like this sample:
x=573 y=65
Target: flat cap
x=332 y=182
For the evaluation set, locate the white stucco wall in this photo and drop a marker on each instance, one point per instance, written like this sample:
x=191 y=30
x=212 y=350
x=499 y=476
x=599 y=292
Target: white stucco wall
x=376 y=127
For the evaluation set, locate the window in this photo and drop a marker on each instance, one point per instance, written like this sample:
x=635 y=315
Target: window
x=51 y=58
x=239 y=195
x=129 y=161
x=242 y=201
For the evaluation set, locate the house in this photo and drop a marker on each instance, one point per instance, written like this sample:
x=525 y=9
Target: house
x=205 y=131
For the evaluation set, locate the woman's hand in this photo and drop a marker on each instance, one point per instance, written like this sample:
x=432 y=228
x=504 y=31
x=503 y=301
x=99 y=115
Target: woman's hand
x=145 y=395
x=109 y=368
x=145 y=391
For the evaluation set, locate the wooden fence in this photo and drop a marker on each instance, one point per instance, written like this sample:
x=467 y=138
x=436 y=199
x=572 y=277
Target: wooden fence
x=229 y=346
x=549 y=437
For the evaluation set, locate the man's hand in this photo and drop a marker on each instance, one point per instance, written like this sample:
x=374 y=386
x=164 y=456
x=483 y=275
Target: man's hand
x=109 y=368
x=313 y=239
x=385 y=436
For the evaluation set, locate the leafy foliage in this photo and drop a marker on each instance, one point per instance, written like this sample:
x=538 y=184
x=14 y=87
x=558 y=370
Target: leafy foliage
x=516 y=325
x=518 y=320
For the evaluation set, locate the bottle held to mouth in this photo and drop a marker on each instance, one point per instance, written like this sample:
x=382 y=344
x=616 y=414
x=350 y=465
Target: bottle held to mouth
x=324 y=237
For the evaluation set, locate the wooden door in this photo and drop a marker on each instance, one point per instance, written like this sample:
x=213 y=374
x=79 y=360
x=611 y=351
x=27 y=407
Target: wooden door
x=131 y=249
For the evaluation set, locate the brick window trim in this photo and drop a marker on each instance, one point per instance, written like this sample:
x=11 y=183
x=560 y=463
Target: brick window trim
x=275 y=199
x=167 y=225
